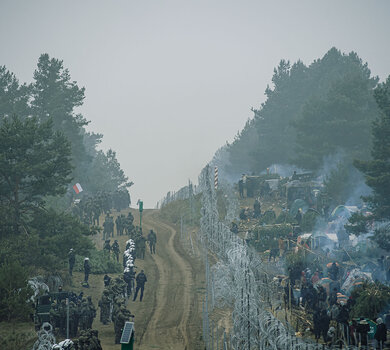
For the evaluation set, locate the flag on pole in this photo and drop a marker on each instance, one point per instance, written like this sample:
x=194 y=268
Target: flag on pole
x=77 y=188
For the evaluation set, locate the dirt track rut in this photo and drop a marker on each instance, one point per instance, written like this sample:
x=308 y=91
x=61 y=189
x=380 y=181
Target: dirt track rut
x=169 y=316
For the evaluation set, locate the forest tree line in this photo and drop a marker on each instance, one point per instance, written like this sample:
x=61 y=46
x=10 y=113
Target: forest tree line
x=45 y=150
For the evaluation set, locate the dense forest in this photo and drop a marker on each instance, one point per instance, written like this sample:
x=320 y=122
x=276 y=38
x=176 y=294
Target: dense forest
x=45 y=150
x=311 y=113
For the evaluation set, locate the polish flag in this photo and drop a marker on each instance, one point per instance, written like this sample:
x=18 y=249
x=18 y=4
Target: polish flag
x=77 y=188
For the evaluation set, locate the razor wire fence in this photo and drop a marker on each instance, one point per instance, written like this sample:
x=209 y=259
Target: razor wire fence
x=239 y=280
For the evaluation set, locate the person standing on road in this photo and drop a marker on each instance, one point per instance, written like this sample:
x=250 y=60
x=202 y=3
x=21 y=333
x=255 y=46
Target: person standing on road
x=152 y=238
x=140 y=279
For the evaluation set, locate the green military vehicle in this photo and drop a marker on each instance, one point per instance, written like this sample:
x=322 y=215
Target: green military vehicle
x=43 y=307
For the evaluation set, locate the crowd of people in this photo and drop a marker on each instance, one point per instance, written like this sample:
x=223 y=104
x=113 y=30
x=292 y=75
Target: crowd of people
x=117 y=291
x=330 y=310
x=80 y=312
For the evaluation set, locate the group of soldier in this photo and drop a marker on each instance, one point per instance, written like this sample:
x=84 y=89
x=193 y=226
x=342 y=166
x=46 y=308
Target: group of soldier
x=124 y=225
x=81 y=315
x=112 y=306
x=118 y=290
x=107 y=248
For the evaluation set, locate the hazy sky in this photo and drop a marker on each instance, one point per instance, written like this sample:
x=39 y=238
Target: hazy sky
x=169 y=82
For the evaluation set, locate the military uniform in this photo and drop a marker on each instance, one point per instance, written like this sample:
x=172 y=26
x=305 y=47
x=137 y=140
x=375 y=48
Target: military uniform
x=119 y=287
x=120 y=319
x=107 y=248
x=84 y=315
x=72 y=260
x=115 y=249
x=87 y=270
x=118 y=223
x=152 y=238
x=92 y=312
x=104 y=305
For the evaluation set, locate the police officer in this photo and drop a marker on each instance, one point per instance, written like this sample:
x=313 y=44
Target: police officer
x=140 y=279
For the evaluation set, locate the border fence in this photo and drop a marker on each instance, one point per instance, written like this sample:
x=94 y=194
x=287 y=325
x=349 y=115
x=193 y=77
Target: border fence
x=242 y=282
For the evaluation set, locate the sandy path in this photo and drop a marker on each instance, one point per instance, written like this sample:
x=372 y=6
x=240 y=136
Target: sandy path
x=172 y=312
x=169 y=317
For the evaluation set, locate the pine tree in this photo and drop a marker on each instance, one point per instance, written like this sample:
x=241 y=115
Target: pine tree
x=34 y=163
x=377 y=170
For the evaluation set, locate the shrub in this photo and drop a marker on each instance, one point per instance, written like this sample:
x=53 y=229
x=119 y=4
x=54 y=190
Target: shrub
x=371 y=299
x=99 y=263
x=14 y=292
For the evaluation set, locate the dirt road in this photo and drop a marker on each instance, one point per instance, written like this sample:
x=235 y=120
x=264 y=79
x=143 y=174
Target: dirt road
x=175 y=318
x=169 y=317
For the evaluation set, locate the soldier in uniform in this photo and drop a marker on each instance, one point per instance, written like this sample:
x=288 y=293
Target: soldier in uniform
x=84 y=315
x=55 y=320
x=72 y=260
x=129 y=227
x=140 y=247
x=119 y=301
x=62 y=316
x=106 y=227
x=118 y=223
x=122 y=316
x=87 y=270
x=119 y=287
x=107 y=248
x=111 y=226
x=152 y=238
x=92 y=312
x=115 y=249
x=73 y=319
x=104 y=305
